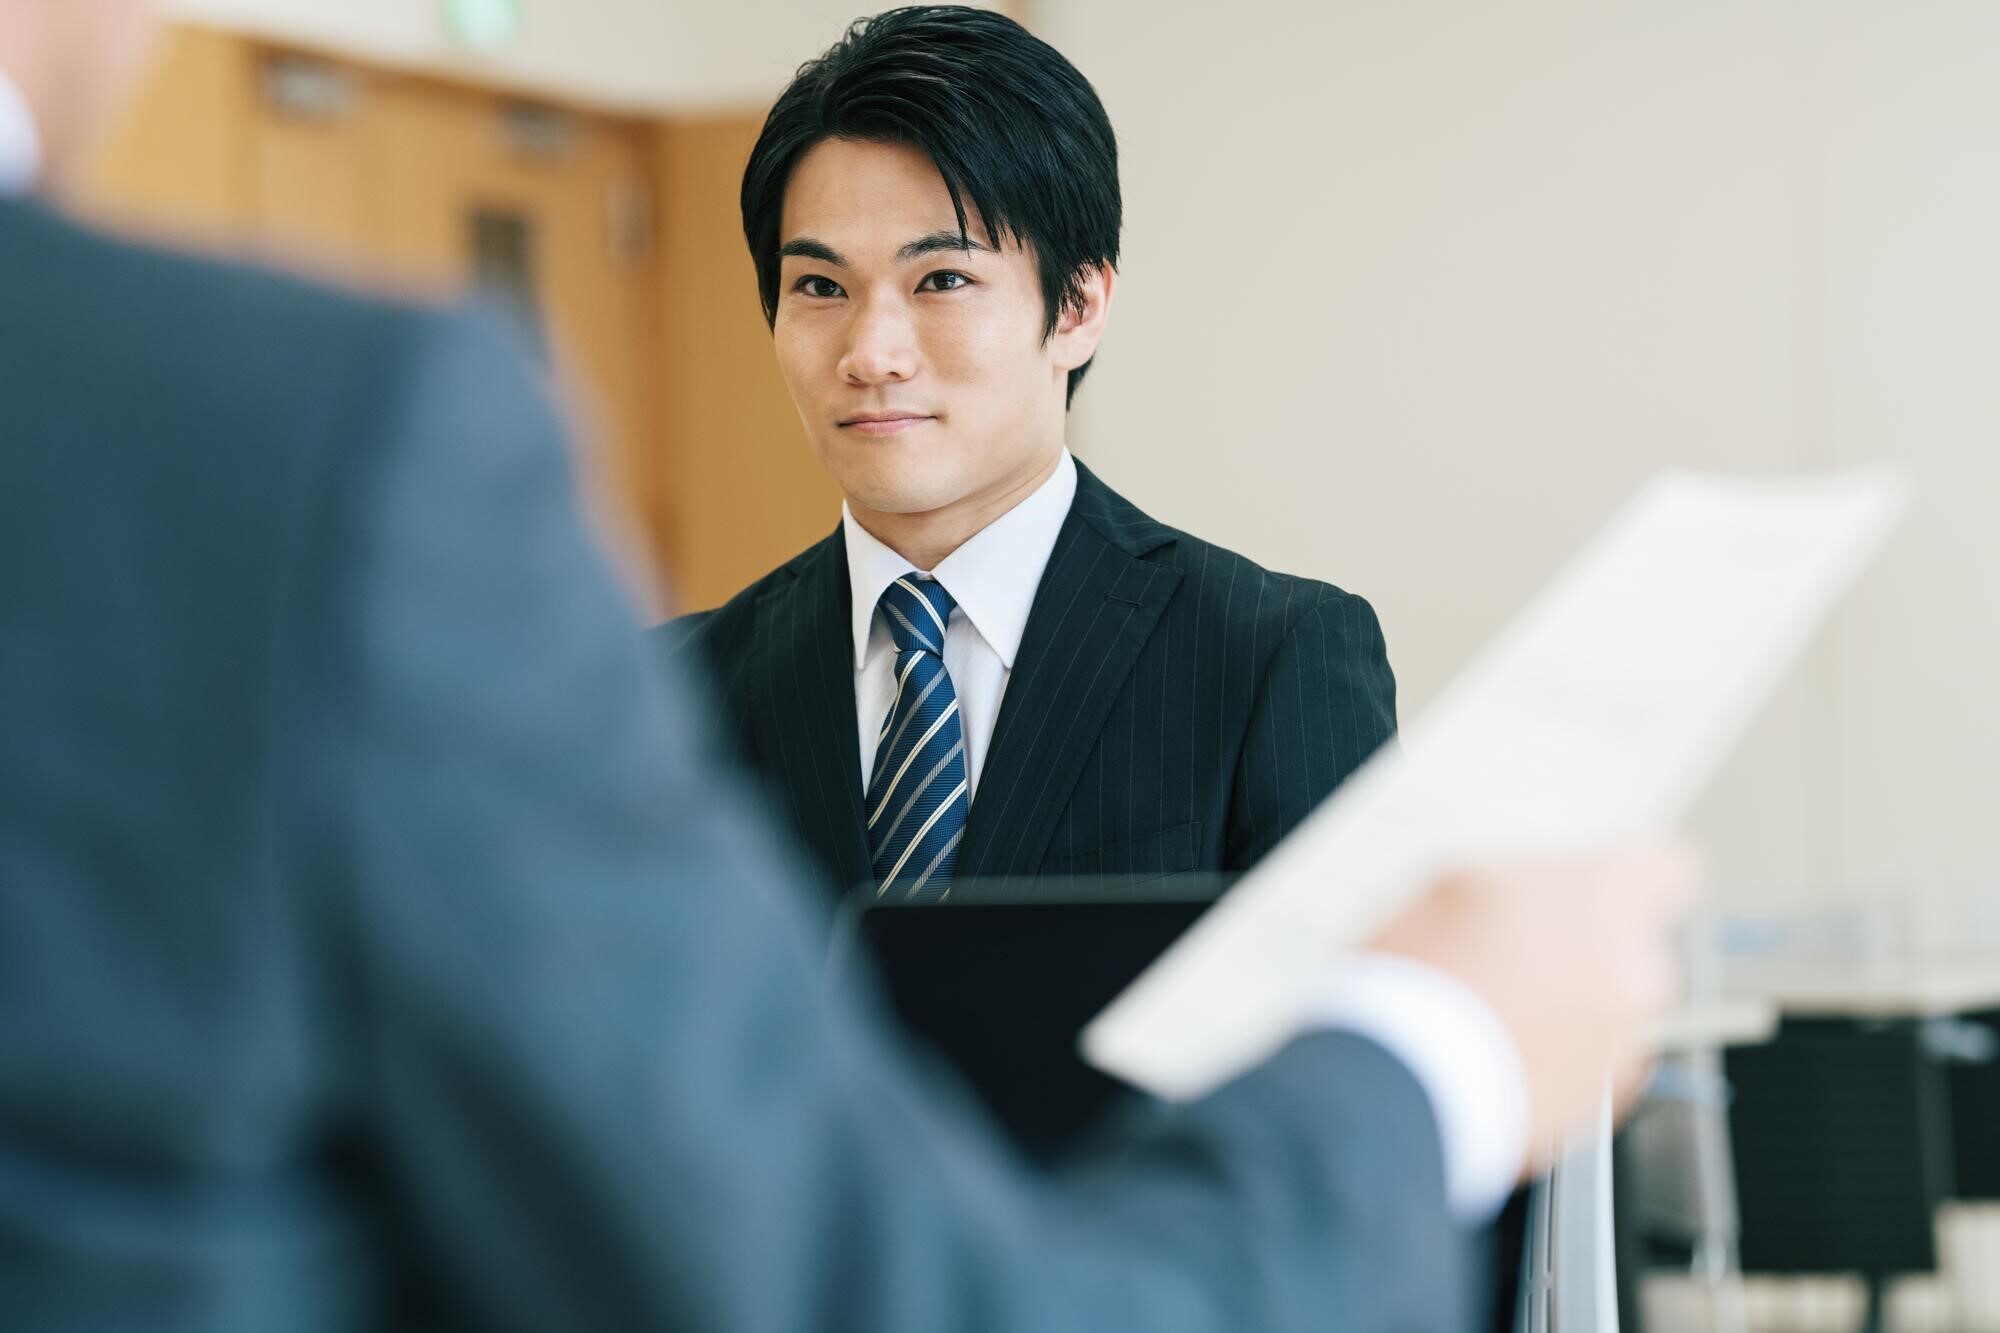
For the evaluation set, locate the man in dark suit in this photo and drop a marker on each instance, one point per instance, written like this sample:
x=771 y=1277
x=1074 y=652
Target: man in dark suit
x=933 y=210
x=379 y=947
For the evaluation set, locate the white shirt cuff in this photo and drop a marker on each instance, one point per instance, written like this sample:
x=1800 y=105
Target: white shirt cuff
x=1463 y=1056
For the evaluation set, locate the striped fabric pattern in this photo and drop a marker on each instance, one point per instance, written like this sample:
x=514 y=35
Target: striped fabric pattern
x=918 y=795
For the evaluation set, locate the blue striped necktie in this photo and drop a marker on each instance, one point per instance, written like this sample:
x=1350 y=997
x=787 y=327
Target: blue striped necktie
x=918 y=795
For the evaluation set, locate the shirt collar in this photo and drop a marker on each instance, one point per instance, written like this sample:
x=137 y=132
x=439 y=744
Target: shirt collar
x=992 y=578
x=20 y=142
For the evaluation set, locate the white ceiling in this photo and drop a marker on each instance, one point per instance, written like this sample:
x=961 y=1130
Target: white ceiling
x=639 y=54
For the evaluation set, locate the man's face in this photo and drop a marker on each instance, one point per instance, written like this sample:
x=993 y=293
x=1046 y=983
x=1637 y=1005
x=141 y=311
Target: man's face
x=919 y=367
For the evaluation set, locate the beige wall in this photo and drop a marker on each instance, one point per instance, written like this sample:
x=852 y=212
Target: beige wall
x=1415 y=293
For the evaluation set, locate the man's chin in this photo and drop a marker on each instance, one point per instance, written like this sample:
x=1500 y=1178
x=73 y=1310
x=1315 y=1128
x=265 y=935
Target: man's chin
x=894 y=490
x=901 y=502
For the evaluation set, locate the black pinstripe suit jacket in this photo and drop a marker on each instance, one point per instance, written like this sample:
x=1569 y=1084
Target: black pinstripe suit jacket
x=1173 y=707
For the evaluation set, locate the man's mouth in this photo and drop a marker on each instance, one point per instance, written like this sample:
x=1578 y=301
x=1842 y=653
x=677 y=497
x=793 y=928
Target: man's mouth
x=883 y=423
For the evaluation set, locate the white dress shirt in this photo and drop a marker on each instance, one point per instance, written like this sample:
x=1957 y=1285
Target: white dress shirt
x=20 y=142
x=992 y=581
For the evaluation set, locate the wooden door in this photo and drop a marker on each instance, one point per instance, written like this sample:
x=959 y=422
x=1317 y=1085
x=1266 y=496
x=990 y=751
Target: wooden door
x=739 y=487
x=443 y=188
x=176 y=161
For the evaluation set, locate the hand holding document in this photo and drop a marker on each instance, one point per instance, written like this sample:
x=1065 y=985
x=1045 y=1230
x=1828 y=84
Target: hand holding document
x=1593 y=719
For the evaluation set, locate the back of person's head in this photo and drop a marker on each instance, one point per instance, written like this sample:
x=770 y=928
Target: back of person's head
x=1018 y=135
x=71 y=61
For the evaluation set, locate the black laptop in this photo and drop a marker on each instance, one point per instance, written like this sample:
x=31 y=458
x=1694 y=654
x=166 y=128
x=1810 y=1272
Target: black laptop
x=1003 y=975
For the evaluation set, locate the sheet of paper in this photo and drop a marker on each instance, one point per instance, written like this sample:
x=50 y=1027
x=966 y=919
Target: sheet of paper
x=1595 y=716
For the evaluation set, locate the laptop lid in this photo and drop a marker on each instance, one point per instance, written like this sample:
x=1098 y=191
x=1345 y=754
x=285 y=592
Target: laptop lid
x=1002 y=975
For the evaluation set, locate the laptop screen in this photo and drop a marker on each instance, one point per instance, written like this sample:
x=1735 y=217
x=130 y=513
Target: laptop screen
x=1002 y=984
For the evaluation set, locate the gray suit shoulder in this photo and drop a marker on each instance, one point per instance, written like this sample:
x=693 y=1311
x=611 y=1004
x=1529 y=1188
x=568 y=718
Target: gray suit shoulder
x=234 y=348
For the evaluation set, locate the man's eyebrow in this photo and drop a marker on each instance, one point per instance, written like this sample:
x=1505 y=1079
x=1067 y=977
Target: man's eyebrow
x=805 y=247
x=937 y=242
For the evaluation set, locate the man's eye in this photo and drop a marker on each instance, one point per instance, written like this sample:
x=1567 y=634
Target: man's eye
x=814 y=285
x=944 y=280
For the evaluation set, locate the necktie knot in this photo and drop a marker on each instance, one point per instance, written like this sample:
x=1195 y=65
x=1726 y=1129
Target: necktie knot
x=917 y=611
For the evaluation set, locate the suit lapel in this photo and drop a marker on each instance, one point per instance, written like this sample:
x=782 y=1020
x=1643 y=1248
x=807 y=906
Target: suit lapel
x=805 y=706
x=1097 y=605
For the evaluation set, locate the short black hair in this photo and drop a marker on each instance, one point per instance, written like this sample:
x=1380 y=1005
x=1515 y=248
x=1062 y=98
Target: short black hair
x=1017 y=133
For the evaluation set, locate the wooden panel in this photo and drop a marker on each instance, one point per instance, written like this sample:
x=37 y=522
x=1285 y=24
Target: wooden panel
x=440 y=155
x=701 y=467
x=739 y=487
x=599 y=278
x=444 y=160
x=176 y=159
x=310 y=174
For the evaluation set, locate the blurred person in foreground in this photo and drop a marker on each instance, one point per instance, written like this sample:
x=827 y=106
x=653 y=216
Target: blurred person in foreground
x=379 y=947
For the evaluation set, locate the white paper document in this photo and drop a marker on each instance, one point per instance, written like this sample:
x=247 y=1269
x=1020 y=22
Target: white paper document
x=1595 y=717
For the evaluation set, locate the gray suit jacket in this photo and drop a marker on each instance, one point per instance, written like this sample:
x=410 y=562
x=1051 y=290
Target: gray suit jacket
x=380 y=945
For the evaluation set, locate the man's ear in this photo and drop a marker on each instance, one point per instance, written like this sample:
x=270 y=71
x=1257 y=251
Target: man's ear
x=1081 y=326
